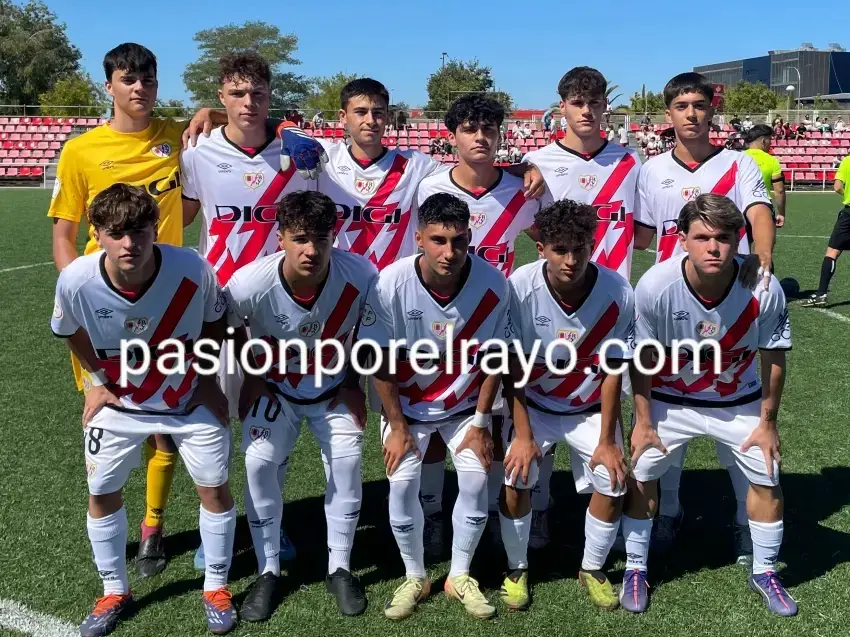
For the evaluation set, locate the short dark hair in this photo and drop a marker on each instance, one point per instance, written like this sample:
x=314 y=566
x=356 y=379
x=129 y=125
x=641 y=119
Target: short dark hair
x=715 y=211
x=245 y=65
x=306 y=211
x=567 y=223
x=474 y=108
x=582 y=81
x=687 y=83
x=444 y=209
x=366 y=87
x=131 y=58
x=757 y=131
x=122 y=208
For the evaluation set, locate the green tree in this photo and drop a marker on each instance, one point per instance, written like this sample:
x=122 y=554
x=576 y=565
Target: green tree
x=201 y=76
x=75 y=90
x=35 y=52
x=747 y=98
x=458 y=77
x=169 y=108
x=324 y=95
x=653 y=103
x=820 y=104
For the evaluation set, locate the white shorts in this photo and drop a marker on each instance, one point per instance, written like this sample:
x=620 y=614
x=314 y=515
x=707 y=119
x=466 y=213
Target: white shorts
x=452 y=431
x=728 y=426
x=270 y=430
x=581 y=433
x=113 y=443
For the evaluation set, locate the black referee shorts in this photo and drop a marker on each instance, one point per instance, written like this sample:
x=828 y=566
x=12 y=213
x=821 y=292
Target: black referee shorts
x=840 y=237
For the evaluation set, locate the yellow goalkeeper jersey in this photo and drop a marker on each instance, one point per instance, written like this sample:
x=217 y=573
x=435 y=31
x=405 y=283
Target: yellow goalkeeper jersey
x=101 y=157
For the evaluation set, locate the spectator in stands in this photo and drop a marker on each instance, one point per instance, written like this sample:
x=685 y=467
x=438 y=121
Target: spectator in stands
x=515 y=154
x=448 y=149
x=816 y=126
x=736 y=123
x=824 y=126
x=778 y=127
x=807 y=121
x=295 y=117
x=318 y=120
x=502 y=154
x=518 y=131
x=652 y=145
x=624 y=136
x=436 y=146
x=563 y=122
x=611 y=134
x=839 y=127
x=647 y=120
x=526 y=131
x=747 y=123
x=552 y=128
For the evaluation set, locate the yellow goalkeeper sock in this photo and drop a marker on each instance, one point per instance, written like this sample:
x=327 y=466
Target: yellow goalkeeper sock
x=160 y=466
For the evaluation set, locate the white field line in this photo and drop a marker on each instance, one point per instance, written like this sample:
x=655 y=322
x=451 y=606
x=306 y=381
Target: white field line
x=18 y=617
x=26 y=267
x=835 y=315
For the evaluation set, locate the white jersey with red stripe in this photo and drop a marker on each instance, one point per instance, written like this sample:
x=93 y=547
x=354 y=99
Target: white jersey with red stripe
x=374 y=201
x=742 y=321
x=181 y=296
x=666 y=184
x=497 y=215
x=401 y=307
x=239 y=193
x=606 y=313
x=607 y=180
x=259 y=294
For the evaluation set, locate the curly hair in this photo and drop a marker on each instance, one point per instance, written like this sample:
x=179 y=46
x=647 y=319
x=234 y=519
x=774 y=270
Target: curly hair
x=476 y=109
x=444 y=209
x=566 y=223
x=307 y=211
x=245 y=65
x=582 y=81
x=122 y=208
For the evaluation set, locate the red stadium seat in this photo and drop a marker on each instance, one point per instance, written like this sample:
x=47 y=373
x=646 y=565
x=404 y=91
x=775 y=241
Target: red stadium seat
x=37 y=171
x=24 y=171
x=11 y=172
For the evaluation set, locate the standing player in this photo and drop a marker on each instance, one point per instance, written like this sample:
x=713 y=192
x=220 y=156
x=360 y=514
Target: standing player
x=234 y=174
x=666 y=183
x=585 y=305
x=585 y=168
x=839 y=240
x=758 y=147
x=136 y=289
x=696 y=295
x=308 y=292
x=499 y=213
x=426 y=297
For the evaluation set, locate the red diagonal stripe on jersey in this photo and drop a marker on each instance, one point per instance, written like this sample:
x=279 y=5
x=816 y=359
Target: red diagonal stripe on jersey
x=368 y=230
x=615 y=257
x=220 y=230
x=498 y=229
x=586 y=348
x=443 y=380
x=391 y=253
x=727 y=181
x=666 y=246
x=615 y=180
x=260 y=230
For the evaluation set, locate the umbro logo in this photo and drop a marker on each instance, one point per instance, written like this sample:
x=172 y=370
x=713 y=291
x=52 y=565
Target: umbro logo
x=403 y=528
x=261 y=523
x=681 y=315
x=415 y=315
x=667 y=183
x=224 y=167
x=104 y=313
x=283 y=319
x=542 y=321
x=107 y=164
x=343 y=170
x=561 y=171
x=476 y=520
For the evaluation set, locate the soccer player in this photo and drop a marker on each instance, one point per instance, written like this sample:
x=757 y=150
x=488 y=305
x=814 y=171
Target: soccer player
x=499 y=213
x=425 y=298
x=586 y=168
x=307 y=292
x=568 y=298
x=234 y=175
x=758 y=147
x=839 y=240
x=665 y=184
x=134 y=289
x=712 y=389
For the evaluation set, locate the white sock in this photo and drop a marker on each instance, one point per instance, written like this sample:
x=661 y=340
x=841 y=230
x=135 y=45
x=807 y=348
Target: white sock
x=741 y=486
x=342 y=509
x=408 y=523
x=263 y=508
x=669 y=483
x=495 y=481
x=540 y=492
x=599 y=537
x=767 y=538
x=515 y=534
x=636 y=534
x=281 y=479
x=431 y=487
x=217 y=531
x=468 y=519
x=108 y=537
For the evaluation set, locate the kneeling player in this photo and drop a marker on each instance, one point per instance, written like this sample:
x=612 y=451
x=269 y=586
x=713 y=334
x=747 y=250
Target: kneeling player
x=423 y=299
x=307 y=293
x=697 y=296
x=567 y=298
x=133 y=289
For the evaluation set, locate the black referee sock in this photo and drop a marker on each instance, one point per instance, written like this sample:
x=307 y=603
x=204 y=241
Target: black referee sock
x=827 y=269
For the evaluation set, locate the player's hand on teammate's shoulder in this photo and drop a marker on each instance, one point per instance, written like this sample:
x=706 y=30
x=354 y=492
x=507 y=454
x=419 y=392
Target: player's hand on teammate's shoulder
x=610 y=456
x=480 y=441
x=398 y=444
x=209 y=394
x=254 y=387
x=522 y=453
x=755 y=269
x=299 y=148
x=200 y=123
x=96 y=399
x=533 y=182
x=355 y=400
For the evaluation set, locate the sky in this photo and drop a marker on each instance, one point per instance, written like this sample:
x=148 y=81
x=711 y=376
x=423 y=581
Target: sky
x=400 y=42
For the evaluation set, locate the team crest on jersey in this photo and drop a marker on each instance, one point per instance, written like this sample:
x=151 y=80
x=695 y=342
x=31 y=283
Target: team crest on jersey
x=669 y=228
x=57 y=310
x=368 y=317
x=260 y=433
x=707 y=329
x=477 y=219
x=588 y=182
x=571 y=336
x=253 y=180
x=440 y=327
x=689 y=193
x=365 y=186
x=308 y=329
x=136 y=325
x=162 y=150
